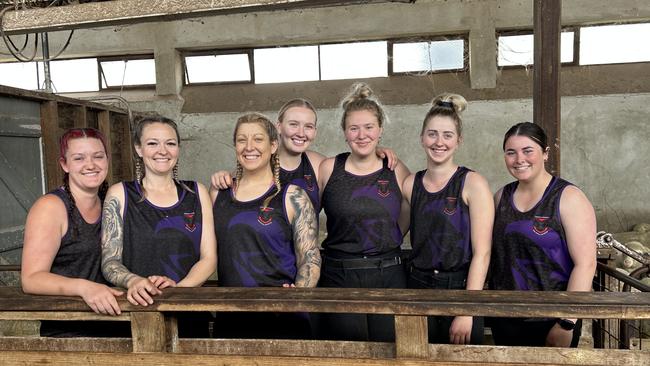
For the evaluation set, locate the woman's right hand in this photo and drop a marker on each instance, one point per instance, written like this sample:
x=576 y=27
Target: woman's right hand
x=141 y=290
x=221 y=180
x=101 y=298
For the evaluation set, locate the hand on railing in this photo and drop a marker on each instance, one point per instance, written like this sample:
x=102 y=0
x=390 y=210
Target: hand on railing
x=101 y=298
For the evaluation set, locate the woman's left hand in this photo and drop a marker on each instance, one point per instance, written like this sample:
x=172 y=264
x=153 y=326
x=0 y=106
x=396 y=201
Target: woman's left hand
x=162 y=282
x=460 y=331
x=558 y=337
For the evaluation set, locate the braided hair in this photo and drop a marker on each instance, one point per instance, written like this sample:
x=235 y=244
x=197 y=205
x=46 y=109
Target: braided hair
x=272 y=133
x=64 y=141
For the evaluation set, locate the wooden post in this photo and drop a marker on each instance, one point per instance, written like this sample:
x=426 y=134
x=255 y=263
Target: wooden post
x=148 y=332
x=546 y=79
x=128 y=172
x=171 y=327
x=411 y=336
x=80 y=117
x=50 y=132
x=104 y=124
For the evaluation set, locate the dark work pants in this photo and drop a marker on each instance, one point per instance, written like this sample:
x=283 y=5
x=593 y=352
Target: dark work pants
x=439 y=325
x=526 y=332
x=359 y=327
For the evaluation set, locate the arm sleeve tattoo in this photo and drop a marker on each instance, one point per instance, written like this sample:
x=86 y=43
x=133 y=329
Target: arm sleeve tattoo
x=112 y=235
x=305 y=237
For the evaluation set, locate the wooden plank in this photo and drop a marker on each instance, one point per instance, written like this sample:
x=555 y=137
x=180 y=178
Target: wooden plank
x=99 y=14
x=43 y=97
x=546 y=75
x=122 y=345
x=619 y=305
x=80 y=117
x=50 y=133
x=10 y=358
x=128 y=172
x=286 y=347
x=171 y=333
x=104 y=126
x=148 y=332
x=68 y=315
x=411 y=336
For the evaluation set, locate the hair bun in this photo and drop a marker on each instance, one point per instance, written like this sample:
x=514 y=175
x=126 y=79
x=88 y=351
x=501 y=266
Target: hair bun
x=448 y=100
x=357 y=92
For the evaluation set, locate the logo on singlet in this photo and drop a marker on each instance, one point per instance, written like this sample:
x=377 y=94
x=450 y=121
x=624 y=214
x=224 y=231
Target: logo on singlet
x=309 y=182
x=264 y=217
x=189 y=221
x=382 y=188
x=450 y=206
x=540 y=225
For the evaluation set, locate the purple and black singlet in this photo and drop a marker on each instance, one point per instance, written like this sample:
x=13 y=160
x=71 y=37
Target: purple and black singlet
x=255 y=244
x=529 y=249
x=304 y=177
x=440 y=226
x=162 y=240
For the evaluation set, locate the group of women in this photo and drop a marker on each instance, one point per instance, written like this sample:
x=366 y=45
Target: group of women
x=159 y=231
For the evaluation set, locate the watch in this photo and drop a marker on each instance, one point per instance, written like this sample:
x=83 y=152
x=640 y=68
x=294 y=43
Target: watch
x=566 y=324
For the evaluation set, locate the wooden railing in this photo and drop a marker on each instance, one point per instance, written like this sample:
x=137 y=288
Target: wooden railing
x=155 y=337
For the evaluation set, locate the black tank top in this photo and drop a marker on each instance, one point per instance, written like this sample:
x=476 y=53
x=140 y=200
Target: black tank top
x=304 y=177
x=440 y=225
x=79 y=256
x=362 y=212
x=255 y=244
x=529 y=249
x=162 y=240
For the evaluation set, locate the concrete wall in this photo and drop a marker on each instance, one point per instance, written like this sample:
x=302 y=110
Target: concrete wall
x=604 y=108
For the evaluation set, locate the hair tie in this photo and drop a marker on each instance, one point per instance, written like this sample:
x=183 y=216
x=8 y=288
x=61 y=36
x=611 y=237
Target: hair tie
x=440 y=103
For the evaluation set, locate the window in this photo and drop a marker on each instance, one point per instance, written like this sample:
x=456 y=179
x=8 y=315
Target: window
x=614 y=44
x=428 y=56
x=517 y=50
x=116 y=73
x=354 y=60
x=85 y=73
x=219 y=68
x=286 y=64
x=22 y=75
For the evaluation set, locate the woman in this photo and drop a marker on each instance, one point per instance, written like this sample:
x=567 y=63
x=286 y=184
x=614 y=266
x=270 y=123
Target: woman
x=544 y=239
x=361 y=198
x=157 y=231
x=450 y=221
x=297 y=129
x=267 y=233
x=62 y=247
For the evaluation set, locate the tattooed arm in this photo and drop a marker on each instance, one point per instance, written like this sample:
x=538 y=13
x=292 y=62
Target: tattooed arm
x=305 y=236
x=139 y=289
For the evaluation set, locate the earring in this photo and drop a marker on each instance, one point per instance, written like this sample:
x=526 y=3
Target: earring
x=138 y=171
x=175 y=172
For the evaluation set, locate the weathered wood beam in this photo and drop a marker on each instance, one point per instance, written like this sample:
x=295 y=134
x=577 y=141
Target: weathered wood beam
x=110 y=13
x=546 y=75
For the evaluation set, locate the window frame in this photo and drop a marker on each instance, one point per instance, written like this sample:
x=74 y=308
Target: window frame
x=528 y=32
x=628 y=22
x=463 y=36
x=101 y=76
x=218 y=52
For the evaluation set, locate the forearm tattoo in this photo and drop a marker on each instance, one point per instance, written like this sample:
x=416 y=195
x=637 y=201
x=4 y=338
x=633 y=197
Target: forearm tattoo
x=112 y=235
x=305 y=237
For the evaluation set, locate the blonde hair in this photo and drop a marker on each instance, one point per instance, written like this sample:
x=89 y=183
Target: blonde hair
x=448 y=105
x=297 y=102
x=360 y=98
x=272 y=133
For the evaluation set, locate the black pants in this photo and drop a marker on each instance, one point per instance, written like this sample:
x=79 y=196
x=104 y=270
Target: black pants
x=439 y=325
x=359 y=327
x=526 y=332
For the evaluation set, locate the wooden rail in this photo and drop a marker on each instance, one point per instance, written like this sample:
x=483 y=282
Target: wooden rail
x=155 y=339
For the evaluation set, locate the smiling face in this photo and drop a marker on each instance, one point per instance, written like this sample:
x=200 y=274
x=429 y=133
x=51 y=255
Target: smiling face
x=440 y=139
x=524 y=157
x=297 y=129
x=254 y=147
x=86 y=163
x=158 y=148
x=362 y=132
